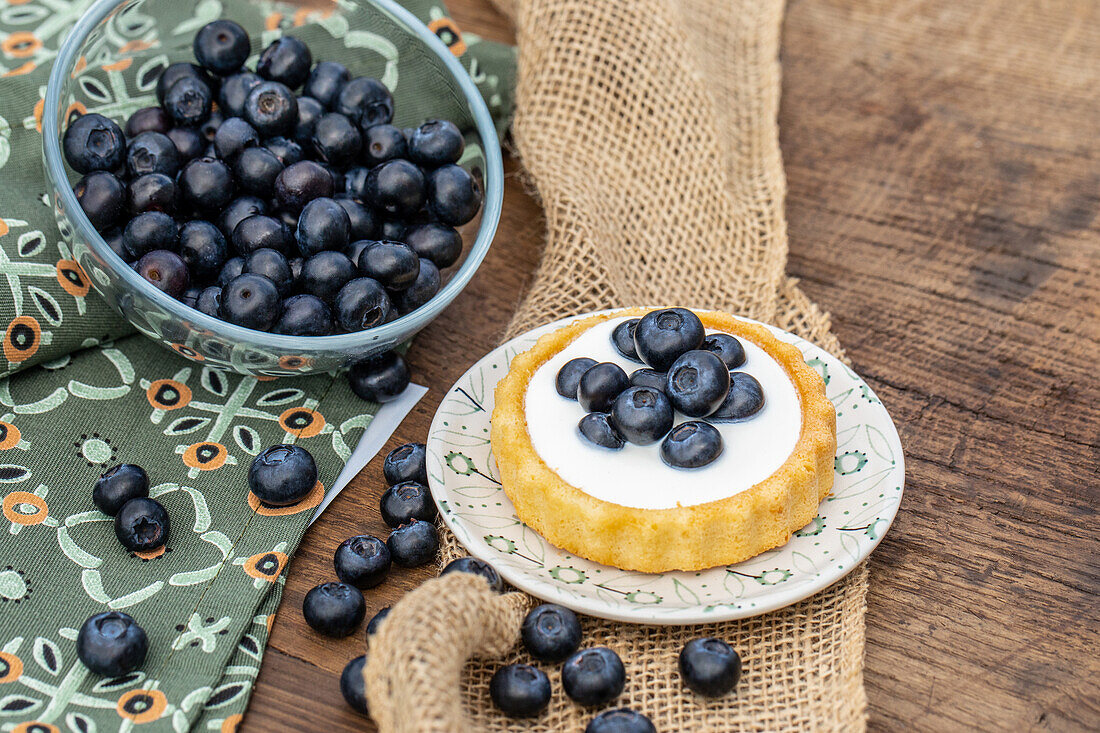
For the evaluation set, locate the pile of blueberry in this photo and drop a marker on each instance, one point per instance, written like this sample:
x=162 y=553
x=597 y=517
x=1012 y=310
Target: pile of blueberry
x=596 y=675
x=303 y=214
x=686 y=372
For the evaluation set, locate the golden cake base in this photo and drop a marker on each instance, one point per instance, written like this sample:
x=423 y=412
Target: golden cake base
x=702 y=536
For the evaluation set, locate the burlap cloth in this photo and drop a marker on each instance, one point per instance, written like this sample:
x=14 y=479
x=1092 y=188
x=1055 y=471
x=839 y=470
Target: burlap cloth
x=648 y=130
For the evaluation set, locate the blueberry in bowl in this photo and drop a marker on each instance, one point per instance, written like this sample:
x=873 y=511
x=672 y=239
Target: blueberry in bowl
x=213 y=84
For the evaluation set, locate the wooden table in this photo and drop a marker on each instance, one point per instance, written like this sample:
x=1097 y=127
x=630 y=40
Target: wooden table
x=944 y=173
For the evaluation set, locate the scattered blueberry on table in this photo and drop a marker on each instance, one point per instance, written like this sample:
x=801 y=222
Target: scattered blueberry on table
x=334 y=609
x=551 y=633
x=406 y=462
x=306 y=149
x=362 y=561
x=709 y=666
x=520 y=690
x=474 y=566
x=377 y=619
x=406 y=501
x=593 y=676
x=111 y=644
x=352 y=684
x=620 y=720
x=282 y=475
x=118 y=485
x=142 y=525
x=414 y=543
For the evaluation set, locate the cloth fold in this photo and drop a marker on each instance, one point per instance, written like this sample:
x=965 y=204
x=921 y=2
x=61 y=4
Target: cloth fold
x=648 y=131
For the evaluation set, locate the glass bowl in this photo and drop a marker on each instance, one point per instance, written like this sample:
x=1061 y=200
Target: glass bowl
x=109 y=64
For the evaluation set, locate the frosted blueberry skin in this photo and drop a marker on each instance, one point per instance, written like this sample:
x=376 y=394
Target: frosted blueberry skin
x=600 y=385
x=221 y=46
x=593 y=676
x=282 y=475
x=453 y=195
x=520 y=690
x=111 y=644
x=569 y=376
x=642 y=415
x=325 y=273
x=745 y=399
x=622 y=338
x=439 y=243
x=551 y=632
x=334 y=609
x=149 y=231
x=362 y=561
x=271 y=108
x=662 y=336
x=725 y=347
x=189 y=102
x=697 y=383
x=366 y=101
x=118 y=485
x=620 y=720
x=691 y=444
x=596 y=428
x=709 y=666
x=474 y=566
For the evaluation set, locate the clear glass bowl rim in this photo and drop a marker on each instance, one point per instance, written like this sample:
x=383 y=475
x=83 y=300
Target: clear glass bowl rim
x=393 y=331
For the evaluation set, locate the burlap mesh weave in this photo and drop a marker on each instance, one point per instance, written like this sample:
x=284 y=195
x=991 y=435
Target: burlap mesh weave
x=648 y=130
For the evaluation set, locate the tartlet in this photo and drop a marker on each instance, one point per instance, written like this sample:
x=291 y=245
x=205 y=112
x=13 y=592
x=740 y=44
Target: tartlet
x=720 y=532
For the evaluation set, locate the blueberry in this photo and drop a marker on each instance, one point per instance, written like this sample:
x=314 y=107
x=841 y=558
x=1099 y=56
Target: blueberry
x=102 y=197
x=551 y=632
x=258 y=232
x=697 y=383
x=454 y=196
x=353 y=685
x=412 y=544
x=642 y=415
x=622 y=338
x=271 y=108
x=520 y=690
x=406 y=462
x=287 y=60
x=382 y=143
x=364 y=224
x=396 y=187
x=476 y=567
x=282 y=475
x=93 y=143
x=142 y=524
x=436 y=143
x=111 y=644
x=646 y=377
x=251 y=301
x=233 y=267
x=202 y=247
x=233 y=136
x=148 y=119
x=393 y=264
x=304 y=315
x=709 y=666
x=322 y=225
x=744 y=399
x=177 y=71
x=300 y=183
x=289 y=218
x=190 y=297
x=189 y=102
x=726 y=348
x=221 y=46
x=286 y=150
x=362 y=304
x=598 y=429
x=234 y=92
x=662 y=336
x=165 y=270
x=118 y=485
x=336 y=140
x=237 y=211
x=569 y=376
x=257 y=169
x=117 y=243
x=437 y=242
x=338 y=179
x=150 y=231
x=376 y=620
x=394 y=230
x=620 y=720
x=334 y=609
x=362 y=561
x=425 y=287
x=325 y=273
x=152 y=152
x=380 y=378
x=188 y=141
x=325 y=82
x=206 y=184
x=691 y=444
x=210 y=301
x=209 y=128
x=599 y=386
x=272 y=265
x=309 y=111
x=406 y=501
x=153 y=192
x=355 y=249
x=593 y=676
x=367 y=102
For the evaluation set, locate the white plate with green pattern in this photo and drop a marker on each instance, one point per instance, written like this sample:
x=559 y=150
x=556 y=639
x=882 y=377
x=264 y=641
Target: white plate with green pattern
x=870 y=474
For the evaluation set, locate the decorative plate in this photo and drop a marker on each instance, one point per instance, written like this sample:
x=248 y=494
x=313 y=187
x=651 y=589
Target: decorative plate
x=869 y=469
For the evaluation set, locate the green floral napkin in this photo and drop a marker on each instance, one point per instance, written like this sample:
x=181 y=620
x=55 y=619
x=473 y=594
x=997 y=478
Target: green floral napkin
x=95 y=399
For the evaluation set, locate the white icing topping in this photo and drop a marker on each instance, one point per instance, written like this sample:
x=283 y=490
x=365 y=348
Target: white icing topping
x=636 y=476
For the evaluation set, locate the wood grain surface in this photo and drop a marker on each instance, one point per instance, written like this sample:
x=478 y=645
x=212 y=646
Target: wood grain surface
x=943 y=161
